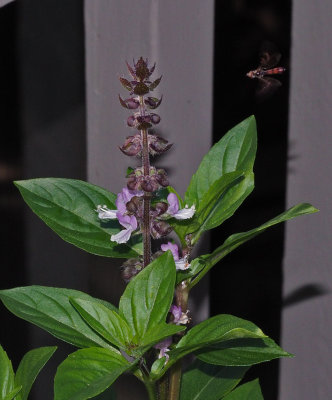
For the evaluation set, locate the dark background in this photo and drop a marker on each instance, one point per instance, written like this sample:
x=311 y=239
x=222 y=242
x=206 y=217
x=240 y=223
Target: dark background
x=42 y=81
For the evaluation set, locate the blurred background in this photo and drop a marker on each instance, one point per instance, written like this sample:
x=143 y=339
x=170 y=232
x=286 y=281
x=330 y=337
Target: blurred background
x=59 y=116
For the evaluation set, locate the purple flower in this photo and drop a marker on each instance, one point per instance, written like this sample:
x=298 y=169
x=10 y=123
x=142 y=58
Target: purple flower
x=179 y=317
x=174 y=208
x=124 y=197
x=180 y=263
x=174 y=249
x=129 y=222
x=163 y=346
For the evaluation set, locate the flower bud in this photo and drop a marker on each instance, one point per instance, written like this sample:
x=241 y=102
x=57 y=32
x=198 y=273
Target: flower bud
x=131 y=103
x=143 y=122
x=160 y=208
x=161 y=177
x=155 y=118
x=160 y=229
x=131 y=121
x=158 y=145
x=130 y=268
x=153 y=102
x=132 y=146
x=134 y=206
x=149 y=184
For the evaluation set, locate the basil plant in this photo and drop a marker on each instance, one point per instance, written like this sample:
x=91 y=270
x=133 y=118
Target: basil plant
x=149 y=332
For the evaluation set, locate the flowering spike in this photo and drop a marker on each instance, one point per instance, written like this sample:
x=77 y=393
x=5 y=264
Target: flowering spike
x=155 y=83
x=126 y=84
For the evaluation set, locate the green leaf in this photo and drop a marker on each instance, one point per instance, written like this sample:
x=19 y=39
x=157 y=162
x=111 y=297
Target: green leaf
x=159 y=333
x=236 y=151
x=109 y=394
x=68 y=206
x=50 y=309
x=248 y=391
x=237 y=239
x=214 y=330
x=211 y=188
x=203 y=381
x=242 y=352
x=196 y=266
x=29 y=367
x=13 y=394
x=87 y=373
x=147 y=299
x=6 y=375
x=109 y=324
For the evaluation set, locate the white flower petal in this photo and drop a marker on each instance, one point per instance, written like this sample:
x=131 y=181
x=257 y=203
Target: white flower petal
x=185 y=213
x=106 y=213
x=182 y=264
x=122 y=237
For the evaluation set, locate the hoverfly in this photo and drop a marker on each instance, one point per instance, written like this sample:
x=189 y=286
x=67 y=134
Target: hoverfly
x=269 y=58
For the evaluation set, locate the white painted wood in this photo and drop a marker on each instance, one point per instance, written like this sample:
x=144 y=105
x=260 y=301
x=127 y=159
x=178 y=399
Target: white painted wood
x=307 y=325
x=5 y=2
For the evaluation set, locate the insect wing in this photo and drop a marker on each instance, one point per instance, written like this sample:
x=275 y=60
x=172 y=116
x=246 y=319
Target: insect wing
x=266 y=87
x=269 y=55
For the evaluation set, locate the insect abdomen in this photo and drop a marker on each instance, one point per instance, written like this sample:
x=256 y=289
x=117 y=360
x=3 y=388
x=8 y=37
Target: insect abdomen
x=275 y=71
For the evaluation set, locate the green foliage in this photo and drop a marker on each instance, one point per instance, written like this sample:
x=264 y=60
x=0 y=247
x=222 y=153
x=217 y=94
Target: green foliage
x=206 y=262
x=242 y=352
x=248 y=391
x=114 y=341
x=18 y=386
x=50 y=309
x=215 y=330
x=29 y=367
x=6 y=375
x=144 y=305
x=236 y=151
x=147 y=299
x=203 y=381
x=222 y=181
x=87 y=373
x=68 y=207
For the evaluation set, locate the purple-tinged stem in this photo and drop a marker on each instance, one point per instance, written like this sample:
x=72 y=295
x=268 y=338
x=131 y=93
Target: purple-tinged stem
x=147 y=195
x=175 y=374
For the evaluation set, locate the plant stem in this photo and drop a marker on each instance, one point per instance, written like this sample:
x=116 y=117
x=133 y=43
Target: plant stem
x=163 y=387
x=151 y=389
x=175 y=374
x=175 y=381
x=147 y=196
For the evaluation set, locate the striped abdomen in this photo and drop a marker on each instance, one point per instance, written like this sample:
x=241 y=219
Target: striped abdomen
x=275 y=71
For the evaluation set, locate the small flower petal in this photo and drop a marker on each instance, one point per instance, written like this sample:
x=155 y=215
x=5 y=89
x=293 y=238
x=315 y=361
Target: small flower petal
x=182 y=264
x=185 y=213
x=127 y=221
x=106 y=213
x=174 y=249
x=122 y=237
x=173 y=202
x=180 y=318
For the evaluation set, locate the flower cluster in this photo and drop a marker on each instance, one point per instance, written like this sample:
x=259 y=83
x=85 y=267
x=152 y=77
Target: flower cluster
x=129 y=213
